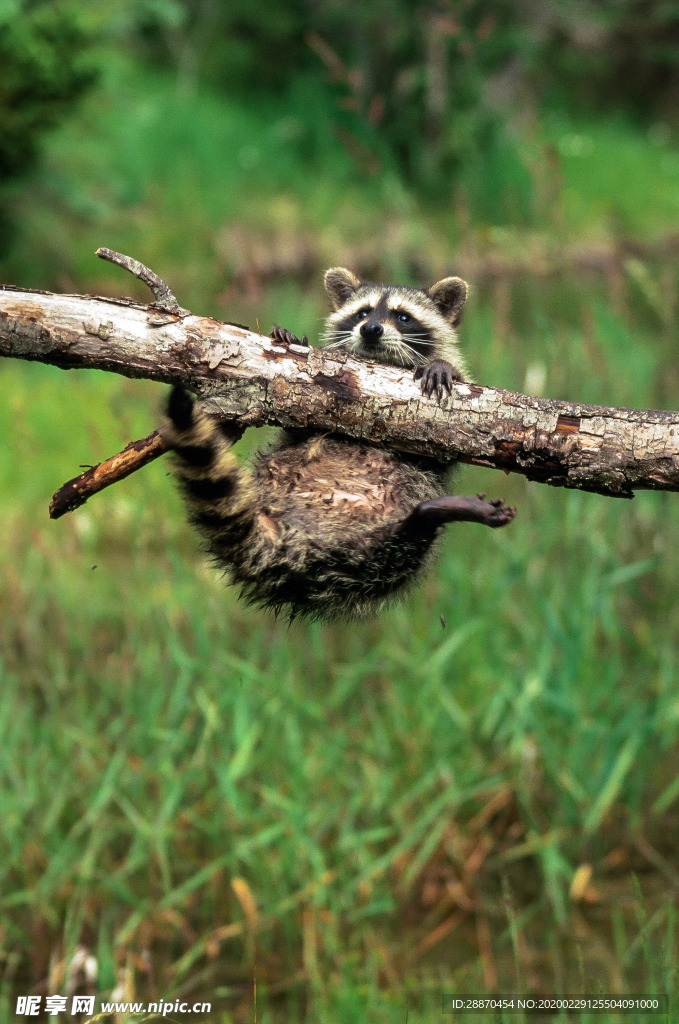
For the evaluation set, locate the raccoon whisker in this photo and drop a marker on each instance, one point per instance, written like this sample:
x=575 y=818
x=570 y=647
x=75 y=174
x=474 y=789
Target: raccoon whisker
x=333 y=335
x=329 y=527
x=417 y=343
x=398 y=358
x=408 y=356
x=407 y=347
x=336 y=336
x=340 y=343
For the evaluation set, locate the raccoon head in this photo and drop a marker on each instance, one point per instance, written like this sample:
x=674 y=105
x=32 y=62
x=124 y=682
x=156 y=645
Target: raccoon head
x=394 y=324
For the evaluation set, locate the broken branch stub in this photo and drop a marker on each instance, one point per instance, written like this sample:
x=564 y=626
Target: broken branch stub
x=136 y=454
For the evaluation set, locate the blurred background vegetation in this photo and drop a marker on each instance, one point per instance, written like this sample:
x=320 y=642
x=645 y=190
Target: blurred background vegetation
x=478 y=791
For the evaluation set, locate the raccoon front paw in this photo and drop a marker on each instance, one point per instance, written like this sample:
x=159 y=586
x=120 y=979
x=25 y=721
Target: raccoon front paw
x=284 y=337
x=437 y=375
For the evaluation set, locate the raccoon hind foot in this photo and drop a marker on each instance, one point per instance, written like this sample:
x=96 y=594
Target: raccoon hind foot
x=465 y=508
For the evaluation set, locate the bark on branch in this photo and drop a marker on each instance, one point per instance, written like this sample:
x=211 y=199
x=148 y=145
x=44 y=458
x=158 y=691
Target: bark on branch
x=254 y=380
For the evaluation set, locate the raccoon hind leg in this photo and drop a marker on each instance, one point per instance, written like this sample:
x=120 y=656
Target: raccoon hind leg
x=464 y=508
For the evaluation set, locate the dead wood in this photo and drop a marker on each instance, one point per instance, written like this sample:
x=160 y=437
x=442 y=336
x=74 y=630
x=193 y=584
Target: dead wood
x=255 y=380
x=136 y=454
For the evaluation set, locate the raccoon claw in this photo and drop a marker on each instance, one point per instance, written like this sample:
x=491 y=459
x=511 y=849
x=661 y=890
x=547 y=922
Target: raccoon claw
x=501 y=514
x=437 y=376
x=284 y=337
x=466 y=509
x=493 y=501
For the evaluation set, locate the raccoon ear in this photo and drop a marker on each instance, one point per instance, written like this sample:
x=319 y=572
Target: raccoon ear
x=449 y=297
x=340 y=284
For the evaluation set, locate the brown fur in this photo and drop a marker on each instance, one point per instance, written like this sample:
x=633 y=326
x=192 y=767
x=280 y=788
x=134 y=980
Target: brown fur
x=320 y=526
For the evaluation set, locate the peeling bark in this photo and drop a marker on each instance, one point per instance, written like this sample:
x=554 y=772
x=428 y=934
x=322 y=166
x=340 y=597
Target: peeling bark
x=254 y=380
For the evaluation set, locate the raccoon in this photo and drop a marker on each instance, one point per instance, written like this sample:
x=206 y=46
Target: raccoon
x=323 y=526
x=398 y=325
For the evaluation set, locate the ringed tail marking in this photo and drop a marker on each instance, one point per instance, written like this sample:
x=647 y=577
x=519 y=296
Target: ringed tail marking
x=220 y=495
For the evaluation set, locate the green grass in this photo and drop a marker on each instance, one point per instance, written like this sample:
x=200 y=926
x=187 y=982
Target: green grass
x=190 y=778
x=198 y=185
x=608 y=166
x=362 y=816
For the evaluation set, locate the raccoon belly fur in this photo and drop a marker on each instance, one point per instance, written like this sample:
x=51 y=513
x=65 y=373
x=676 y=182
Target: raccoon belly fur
x=316 y=527
x=322 y=526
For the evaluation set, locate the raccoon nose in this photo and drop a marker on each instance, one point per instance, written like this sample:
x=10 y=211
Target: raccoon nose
x=371 y=331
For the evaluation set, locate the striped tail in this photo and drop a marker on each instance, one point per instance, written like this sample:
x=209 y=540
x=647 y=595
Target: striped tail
x=219 y=494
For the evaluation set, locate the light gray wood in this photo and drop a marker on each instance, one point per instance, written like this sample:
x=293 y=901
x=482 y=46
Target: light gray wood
x=247 y=377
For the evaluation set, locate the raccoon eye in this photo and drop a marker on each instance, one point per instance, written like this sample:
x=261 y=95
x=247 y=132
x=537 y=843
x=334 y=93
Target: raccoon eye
x=405 y=318
x=363 y=313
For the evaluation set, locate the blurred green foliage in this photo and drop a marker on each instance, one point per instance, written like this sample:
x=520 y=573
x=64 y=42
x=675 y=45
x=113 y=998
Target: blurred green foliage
x=619 y=53
x=164 y=748
x=167 y=754
x=424 y=87
x=44 y=70
x=430 y=93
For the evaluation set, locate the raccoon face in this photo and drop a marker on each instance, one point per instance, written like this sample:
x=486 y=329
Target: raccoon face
x=397 y=325
x=382 y=325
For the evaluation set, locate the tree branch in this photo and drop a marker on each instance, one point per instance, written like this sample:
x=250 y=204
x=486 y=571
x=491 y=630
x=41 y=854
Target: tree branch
x=256 y=381
x=136 y=454
x=163 y=296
